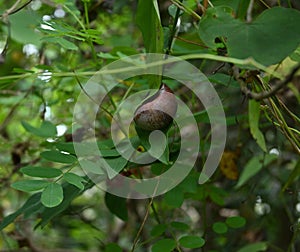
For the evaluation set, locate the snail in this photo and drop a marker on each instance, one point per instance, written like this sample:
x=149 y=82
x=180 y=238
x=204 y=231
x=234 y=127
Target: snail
x=157 y=112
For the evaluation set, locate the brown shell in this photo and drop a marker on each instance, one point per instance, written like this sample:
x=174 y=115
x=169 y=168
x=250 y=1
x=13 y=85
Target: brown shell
x=157 y=112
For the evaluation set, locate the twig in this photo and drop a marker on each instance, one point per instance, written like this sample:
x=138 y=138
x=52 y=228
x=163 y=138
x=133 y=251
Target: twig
x=14 y=9
x=174 y=30
x=243 y=62
x=249 y=11
x=266 y=94
x=191 y=42
x=103 y=108
x=181 y=6
x=136 y=239
x=12 y=111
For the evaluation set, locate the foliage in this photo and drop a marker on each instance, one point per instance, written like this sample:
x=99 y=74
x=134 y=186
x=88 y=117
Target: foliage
x=249 y=50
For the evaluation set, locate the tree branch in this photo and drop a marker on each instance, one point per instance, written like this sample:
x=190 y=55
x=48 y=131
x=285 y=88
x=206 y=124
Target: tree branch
x=266 y=94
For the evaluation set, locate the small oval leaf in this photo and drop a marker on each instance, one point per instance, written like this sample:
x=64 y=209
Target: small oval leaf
x=180 y=225
x=191 y=241
x=165 y=245
x=117 y=206
x=56 y=156
x=74 y=179
x=158 y=229
x=235 y=221
x=47 y=129
x=29 y=185
x=41 y=172
x=255 y=247
x=52 y=195
x=220 y=227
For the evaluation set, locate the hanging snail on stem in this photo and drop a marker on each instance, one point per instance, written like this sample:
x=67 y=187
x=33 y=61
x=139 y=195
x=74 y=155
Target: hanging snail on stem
x=158 y=111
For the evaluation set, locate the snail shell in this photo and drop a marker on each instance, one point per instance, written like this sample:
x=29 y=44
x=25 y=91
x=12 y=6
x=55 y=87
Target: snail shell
x=157 y=112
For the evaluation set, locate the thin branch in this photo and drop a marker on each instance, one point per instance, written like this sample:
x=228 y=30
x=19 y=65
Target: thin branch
x=266 y=94
x=186 y=9
x=243 y=62
x=14 y=9
x=174 y=30
x=191 y=42
x=12 y=111
x=103 y=108
x=249 y=11
x=136 y=239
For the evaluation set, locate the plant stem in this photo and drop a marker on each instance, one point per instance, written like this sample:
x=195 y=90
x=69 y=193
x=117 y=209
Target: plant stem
x=173 y=31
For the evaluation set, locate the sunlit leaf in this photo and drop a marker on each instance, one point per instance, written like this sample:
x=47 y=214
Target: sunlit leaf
x=228 y=165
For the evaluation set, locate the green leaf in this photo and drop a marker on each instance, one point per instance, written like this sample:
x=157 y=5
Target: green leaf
x=23 y=25
x=254 y=114
x=47 y=129
x=158 y=148
x=117 y=206
x=180 y=225
x=66 y=147
x=220 y=227
x=74 y=179
x=152 y=32
x=191 y=241
x=217 y=194
x=91 y=167
x=52 y=195
x=41 y=172
x=158 y=230
x=165 y=245
x=235 y=221
x=150 y=27
x=32 y=202
x=174 y=197
x=115 y=166
x=56 y=156
x=113 y=247
x=292 y=177
x=255 y=247
x=61 y=41
x=270 y=38
x=224 y=80
x=254 y=165
x=70 y=193
x=29 y=185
